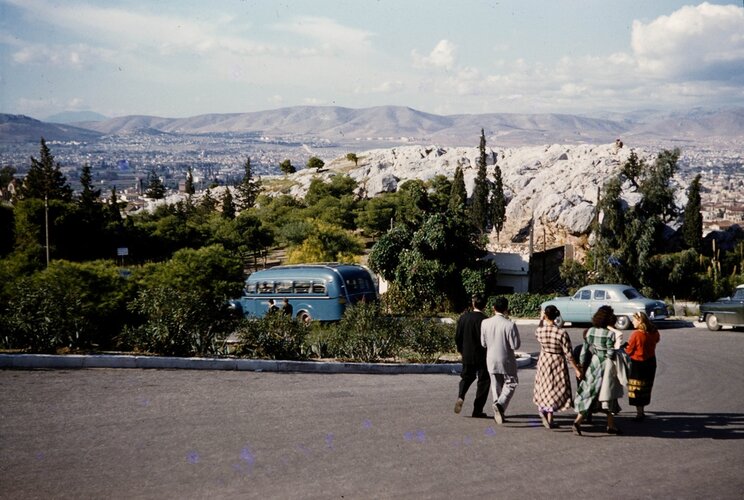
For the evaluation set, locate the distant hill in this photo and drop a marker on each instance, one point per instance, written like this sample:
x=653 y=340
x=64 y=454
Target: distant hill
x=21 y=128
x=341 y=125
x=74 y=117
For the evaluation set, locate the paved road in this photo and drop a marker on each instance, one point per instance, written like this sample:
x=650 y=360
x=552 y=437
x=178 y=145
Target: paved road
x=133 y=433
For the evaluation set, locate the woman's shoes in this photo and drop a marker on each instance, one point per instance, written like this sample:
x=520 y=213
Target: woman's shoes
x=576 y=428
x=545 y=421
x=614 y=430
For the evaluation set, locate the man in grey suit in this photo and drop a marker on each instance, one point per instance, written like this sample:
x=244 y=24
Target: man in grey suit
x=500 y=337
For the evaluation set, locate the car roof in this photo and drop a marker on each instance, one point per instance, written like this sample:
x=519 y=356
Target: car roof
x=613 y=286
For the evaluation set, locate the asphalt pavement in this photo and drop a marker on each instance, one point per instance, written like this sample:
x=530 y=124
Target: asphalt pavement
x=173 y=433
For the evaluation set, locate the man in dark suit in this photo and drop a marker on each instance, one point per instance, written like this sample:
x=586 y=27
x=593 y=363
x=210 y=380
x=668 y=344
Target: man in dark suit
x=467 y=338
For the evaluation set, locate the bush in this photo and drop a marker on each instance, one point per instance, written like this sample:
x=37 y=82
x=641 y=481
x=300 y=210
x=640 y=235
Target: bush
x=365 y=334
x=178 y=322
x=183 y=303
x=274 y=336
x=67 y=305
x=522 y=305
x=427 y=338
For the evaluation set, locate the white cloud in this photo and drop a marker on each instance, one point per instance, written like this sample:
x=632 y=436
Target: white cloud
x=386 y=87
x=331 y=35
x=704 y=42
x=71 y=56
x=442 y=56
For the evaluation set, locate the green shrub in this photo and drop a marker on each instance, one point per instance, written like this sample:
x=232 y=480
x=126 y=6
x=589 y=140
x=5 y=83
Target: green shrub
x=365 y=334
x=426 y=339
x=68 y=305
x=275 y=336
x=178 y=322
x=522 y=305
x=182 y=303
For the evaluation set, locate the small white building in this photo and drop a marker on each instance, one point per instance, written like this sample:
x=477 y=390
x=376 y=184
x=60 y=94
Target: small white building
x=514 y=270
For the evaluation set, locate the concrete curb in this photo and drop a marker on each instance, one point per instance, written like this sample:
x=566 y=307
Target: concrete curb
x=77 y=361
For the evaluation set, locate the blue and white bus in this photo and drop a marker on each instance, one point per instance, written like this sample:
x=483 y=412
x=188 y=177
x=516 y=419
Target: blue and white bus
x=318 y=292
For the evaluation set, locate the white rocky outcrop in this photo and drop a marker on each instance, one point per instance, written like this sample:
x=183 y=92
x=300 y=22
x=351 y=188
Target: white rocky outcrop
x=557 y=185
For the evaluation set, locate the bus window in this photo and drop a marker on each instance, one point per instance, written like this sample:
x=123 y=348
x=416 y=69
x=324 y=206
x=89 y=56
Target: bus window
x=266 y=287
x=283 y=287
x=250 y=288
x=302 y=287
x=319 y=288
x=357 y=285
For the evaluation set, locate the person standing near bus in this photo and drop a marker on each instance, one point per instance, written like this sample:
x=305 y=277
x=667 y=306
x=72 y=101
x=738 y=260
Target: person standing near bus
x=272 y=307
x=287 y=307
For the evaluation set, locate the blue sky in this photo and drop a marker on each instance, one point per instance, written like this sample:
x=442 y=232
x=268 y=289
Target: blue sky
x=185 y=58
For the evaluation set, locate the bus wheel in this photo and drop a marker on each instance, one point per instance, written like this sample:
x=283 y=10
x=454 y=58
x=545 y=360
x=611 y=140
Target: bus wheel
x=304 y=317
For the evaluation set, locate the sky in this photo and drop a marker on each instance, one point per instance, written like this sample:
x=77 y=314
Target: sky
x=181 y=58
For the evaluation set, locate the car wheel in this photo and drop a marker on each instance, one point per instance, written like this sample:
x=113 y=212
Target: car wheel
x=622 y=323
x=559 y=322
x=711 y=321
x=304 y=317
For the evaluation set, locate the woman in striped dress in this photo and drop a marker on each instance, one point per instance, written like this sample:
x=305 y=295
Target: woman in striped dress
x=552 y=383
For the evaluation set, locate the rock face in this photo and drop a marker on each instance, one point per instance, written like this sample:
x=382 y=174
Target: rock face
x=556 y=185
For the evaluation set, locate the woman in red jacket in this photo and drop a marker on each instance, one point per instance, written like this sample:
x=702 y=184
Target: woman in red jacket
x=642 y=351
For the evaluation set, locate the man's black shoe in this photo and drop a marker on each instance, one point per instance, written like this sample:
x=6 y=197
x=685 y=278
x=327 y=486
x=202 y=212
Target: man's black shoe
x=480 y=415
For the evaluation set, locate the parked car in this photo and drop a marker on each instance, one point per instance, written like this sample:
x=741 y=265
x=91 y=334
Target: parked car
x=724 y=311
x=624 y=300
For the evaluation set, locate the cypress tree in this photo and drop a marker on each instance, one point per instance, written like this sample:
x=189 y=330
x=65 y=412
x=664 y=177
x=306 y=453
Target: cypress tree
x=497 y=204
x=479 y=209
x=692 y=226
x=189 y=186
x=458 y=194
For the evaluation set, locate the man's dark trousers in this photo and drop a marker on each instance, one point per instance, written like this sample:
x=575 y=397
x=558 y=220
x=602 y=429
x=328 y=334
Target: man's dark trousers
x=470 y=372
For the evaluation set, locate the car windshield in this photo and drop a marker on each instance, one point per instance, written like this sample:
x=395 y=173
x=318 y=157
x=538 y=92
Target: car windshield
x=632 y=293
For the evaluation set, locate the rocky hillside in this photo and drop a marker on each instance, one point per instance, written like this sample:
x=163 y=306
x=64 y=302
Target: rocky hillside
x=557 y=185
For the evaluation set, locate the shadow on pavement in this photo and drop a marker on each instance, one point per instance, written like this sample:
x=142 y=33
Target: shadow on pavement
x=657 y=424
x=688 y=425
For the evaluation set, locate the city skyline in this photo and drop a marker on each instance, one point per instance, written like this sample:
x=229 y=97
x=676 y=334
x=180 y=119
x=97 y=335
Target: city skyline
x=180 y=59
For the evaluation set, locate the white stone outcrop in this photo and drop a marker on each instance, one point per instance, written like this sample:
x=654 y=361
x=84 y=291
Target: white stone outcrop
x=557 y=185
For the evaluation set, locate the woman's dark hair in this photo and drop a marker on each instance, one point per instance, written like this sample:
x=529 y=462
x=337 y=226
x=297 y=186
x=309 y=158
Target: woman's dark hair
x=552 y=312
x=604 y=317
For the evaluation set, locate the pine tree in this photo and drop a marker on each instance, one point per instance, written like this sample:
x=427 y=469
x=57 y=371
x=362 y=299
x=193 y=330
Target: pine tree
x=479 y=208
x=114 y=209
x=228 y=206
x=316 y=163
x=249 y=187
x=633 y=168
x=692 y=226
x=45 y=179
x=155 y=187
x=497 y=204
x=189 y=186
x=656 y=190
x=458 y=195
x=89 y=196
x=287 y=168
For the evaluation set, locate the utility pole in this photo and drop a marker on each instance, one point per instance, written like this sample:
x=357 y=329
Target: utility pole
x=46 y=227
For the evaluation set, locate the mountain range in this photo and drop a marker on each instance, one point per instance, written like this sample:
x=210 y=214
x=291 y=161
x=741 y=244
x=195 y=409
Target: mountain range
x=396 y=124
